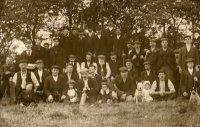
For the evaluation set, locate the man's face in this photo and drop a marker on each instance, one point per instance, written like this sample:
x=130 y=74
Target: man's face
x=129 y=46
x=190 y=64
x=81 y=35
x=74 y=32
x=23 y=66
x=188 y=40
x=65 y=32
x=40 y=65
x=92 y=70
x=129 y=65
x=98 y=32
x=152 y=44
x=55 y=71
x=164 y=44
x=84 y=75
x=71 y=86
x=9 y=60
x=161 y=76
x=38 y=41
x=104 y=87
x=88 y=58
x=118 y=31
x=124 y=74
x=69 y=68
x=137 y=45
x=72 y=59
x=46 y=46
x=113 y=57
x=101 y=61
x=56 y=42
x=147 y=66
x=28 y=45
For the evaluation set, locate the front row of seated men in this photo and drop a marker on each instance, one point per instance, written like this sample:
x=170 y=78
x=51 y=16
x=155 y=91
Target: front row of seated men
x=42 y=85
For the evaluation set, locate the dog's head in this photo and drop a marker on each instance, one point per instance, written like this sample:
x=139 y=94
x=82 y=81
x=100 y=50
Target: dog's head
x=193 y=90
x=139 y=86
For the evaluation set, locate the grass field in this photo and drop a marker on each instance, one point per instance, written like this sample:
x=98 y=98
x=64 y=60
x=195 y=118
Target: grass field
x=156 y=114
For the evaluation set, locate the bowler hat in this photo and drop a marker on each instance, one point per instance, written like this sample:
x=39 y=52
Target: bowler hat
x=39 y=61
x=189 y=60
x=23 y=61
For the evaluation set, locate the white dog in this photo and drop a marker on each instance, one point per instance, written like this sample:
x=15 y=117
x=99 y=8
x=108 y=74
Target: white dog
x=194 y=97
x=142 y=92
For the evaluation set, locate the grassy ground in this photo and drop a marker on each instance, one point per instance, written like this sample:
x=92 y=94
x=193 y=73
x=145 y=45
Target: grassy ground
x=156 y=114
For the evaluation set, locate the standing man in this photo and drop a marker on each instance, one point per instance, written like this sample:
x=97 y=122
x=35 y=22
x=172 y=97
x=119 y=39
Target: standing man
x=129 y=50
x=57 y=55
x=188 y=51
x=38 y=48
x=41 y=74
x=88 y=61
x=55 y=86
x=166 y=59
x=65 y=41
x=21 y=78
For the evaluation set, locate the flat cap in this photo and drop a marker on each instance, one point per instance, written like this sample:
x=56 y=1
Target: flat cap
x=187 y=36
x=123 y=69
x=101 y=56
x=152 y=40
x=189 y=60
x=71 y=82
x=56 y=38
x=128 y=60
x=55 y=67
x=84 y=70
x=137 y=42
x=104 y=83
x=23 y=61
x=89 y=53
x=130 y=42
x=164 y=39
x=69 y=64
x=161 y=71
x=72 y=56
x=146 y=62
x=113 y=53
x=39 y=37
x=39 y=61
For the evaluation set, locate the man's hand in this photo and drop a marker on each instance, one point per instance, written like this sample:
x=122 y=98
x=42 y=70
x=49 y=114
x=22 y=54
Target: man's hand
x=179 y=69
x=185 y=94
x=195 y=79
x=123 y=97
x=134 y=57
x=197 y=67
x=63 y=97
x=141 y=57
x=50 y=98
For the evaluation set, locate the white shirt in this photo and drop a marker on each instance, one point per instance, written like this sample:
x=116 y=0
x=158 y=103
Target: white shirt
x=190 y=70
x=129 y=52
x=99 y=36
x=40 y=72
x=162 y=87
x=188 y=47
x=69 y=76
x=29 y=51
x=86 y=83
x=55 y=78
x=118 y=36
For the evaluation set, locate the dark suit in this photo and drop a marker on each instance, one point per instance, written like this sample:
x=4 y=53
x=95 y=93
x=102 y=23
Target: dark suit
x=114 y=66
x=119 y=45
x=74 y=76
x=92 y=84
x=66 y=45
x=45 y=74
x=129 y=86
x=40 y=51
x=138 y=62
x=98 y=79
x=152 y=57
x=89 y=45
x=57 y=56
x=55 y=88
x=184 y=54
x=32 y=57
x=151 y=77
x=100 y=45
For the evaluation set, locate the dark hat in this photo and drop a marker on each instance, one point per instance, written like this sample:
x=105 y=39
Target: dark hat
x=84 y=70
x=101 y=56
x=23 y=61
x=55 y=67
x=71 y=82
x=189 y=60
x=187 y=36
x=72 y=56
x=128 y=60
x=69 y=64
x=39 y=61
x=130 y=42
x=146 y=62
x=164 y=39
x=123 y=69
x=137 y=42
x=161 y=71
x=98 y=28
x=176 y=51
x=75 y=28
x=27 y=41
x=46 y=44
x=104 y=83
x=89 y=53
x=113 y=53
x=152 y=40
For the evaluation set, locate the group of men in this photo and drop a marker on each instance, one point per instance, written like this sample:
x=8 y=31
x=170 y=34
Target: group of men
x=101 y=66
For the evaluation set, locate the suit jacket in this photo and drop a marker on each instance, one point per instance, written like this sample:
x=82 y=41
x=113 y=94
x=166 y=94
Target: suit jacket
x=119 y=45
x=52 y=87
x=66 y=45
x=100 y=45
x=98 y=79
x=32 y=58
x=184 y=54
x=114 y=66
x=187 y=80
x=138 y=62
x=74 y=76
x=40 y=52
x=152 y=57
x=45 y=74
x=89 y=45
x=92 y=84
x=57 y=56
x=151 y=77
x=168 y=60
x=46 y=58
x=128 y=87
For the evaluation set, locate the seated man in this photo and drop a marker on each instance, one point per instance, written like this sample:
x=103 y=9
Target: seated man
x=148 y=74
x=55 y=86
x=87 y=85
x=93 y=74
x=189 y=78
x=162 y=89
x=69 y=74
x=124 y=86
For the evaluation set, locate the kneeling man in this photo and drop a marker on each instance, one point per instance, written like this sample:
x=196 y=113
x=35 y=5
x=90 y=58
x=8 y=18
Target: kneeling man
x=55 y=86
x=124 y=86
x=163 y=88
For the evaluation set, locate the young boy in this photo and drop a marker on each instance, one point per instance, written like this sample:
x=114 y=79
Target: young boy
x=189 y=78
x=27 y=96
x=72 y=91
x=105 y=95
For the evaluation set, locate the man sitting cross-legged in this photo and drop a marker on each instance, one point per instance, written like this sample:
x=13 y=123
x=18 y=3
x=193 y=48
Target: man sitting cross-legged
x=123 y=86
x=55 y=86
x=162 y=88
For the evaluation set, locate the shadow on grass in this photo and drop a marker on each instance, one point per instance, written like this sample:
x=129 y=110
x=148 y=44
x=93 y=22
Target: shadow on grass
x=58 y=116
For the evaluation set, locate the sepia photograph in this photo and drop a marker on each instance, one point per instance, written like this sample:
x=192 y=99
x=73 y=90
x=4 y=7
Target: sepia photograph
x=99 y=63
